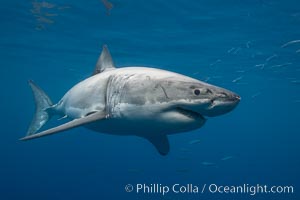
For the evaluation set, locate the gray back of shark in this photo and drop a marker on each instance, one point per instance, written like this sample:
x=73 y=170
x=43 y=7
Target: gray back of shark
x=146 y=102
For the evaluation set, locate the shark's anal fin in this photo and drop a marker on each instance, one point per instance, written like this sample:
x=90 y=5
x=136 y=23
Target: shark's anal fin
x=161 y=143
x=105 y=62
x=69 y=125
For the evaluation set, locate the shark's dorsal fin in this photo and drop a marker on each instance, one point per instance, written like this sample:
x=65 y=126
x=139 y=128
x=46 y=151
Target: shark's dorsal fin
x=104 y=62
x=161 y=143
x=100 y=115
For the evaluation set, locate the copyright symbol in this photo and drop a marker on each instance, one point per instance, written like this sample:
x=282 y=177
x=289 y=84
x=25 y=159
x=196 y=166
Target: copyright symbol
x=129 y=188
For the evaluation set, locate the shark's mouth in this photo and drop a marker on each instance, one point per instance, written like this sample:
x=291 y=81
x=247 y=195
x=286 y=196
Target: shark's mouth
x=189 y=113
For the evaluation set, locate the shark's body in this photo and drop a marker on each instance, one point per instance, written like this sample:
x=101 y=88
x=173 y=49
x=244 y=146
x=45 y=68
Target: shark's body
x=146 y=102
x=133 y=102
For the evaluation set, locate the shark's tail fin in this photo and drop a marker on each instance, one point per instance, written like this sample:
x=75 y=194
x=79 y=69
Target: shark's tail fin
x=42 y=107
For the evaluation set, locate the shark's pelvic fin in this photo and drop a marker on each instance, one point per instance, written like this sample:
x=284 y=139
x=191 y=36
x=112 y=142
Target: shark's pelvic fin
x=42 y=108
x=69 y=125
x=161 y=143
x=104 y=62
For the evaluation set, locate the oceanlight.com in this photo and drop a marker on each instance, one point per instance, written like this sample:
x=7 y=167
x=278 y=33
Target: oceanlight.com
x=156 y=188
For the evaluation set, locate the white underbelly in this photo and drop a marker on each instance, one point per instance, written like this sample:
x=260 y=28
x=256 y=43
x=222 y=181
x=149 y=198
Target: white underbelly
x=127 y=119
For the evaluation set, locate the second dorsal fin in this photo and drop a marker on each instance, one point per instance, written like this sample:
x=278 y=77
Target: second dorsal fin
x=104 y=62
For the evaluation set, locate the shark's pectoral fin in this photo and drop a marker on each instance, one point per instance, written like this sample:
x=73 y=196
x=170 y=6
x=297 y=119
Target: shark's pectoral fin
x=161 y=143
x=69 y=125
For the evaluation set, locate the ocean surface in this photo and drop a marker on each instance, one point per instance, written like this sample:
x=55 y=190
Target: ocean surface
x=251 y=47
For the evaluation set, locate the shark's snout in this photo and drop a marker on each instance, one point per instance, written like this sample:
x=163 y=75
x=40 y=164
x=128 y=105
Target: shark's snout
x=222 y=103
x=237 y=97
x=227 y=96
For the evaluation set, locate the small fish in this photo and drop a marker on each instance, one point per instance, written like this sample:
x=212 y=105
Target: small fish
x=271 y=57
x=195 y=142
x=230 y=50
x=227 y=158
x=297 y=101
x=260 y=65
x=298 y=51
x=281 y=65
x=290 y=42
x=237 y=79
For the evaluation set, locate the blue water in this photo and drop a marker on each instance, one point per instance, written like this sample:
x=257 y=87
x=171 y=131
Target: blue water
x=234 y=44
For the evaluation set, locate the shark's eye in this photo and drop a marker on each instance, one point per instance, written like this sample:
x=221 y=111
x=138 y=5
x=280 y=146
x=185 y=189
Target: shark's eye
x=197 y=92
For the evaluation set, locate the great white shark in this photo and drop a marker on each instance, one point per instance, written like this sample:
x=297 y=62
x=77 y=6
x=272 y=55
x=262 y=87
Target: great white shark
x=146 y=102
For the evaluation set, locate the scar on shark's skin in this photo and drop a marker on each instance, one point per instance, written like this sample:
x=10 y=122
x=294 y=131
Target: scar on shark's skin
x=145 y=102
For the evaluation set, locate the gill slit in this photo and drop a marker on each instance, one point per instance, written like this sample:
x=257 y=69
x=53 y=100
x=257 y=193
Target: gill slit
x=107 y=95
